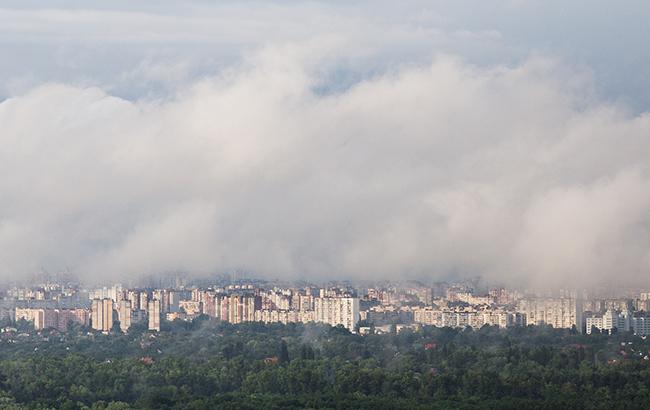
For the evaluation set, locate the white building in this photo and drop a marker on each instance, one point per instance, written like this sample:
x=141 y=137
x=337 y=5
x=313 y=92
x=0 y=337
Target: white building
x=114 y=293
x=638 y=322
x=474 y=319
x=337 y=311
x=154 y=315
x=284 y=316
x=608 y=321
x=563 y=312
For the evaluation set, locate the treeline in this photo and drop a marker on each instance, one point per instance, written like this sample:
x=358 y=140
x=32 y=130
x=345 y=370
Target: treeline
x=211 y=365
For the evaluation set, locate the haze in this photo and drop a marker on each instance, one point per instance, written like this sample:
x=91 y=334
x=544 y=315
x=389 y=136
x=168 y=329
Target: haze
x=308 y=140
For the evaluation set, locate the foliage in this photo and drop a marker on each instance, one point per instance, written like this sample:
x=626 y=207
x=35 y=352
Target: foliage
x=206 y=364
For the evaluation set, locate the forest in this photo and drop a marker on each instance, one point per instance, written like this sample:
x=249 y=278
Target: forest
x=207 y=364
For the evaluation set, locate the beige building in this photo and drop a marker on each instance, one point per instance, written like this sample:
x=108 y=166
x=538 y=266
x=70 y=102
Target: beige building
x=42 y=318
x=241 y=308
x=53 y=318
x=154 y=315
x=190 y=307
x=124 y=314
x=134 y=297
x=144 y=301
x=102 y=314
x=67 y=316
x=236 y=308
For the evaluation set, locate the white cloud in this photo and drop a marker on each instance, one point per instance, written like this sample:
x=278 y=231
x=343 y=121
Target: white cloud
x=518 y=174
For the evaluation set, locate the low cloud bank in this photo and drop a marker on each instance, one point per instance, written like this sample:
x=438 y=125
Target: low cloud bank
x=516 y=174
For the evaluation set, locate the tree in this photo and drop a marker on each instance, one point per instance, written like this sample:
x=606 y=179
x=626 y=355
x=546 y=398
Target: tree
x=306 y=352
x=283 y=355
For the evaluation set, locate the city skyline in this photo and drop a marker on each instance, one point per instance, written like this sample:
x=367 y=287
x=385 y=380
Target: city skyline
x=306 y=204
x=359 y=308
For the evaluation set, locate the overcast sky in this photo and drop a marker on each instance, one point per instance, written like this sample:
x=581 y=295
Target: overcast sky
x=421 y=139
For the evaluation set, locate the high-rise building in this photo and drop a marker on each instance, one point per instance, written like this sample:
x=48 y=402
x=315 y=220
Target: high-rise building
x=162 y=295
x=53 y=318
x=234 y=308
x=337 y=311
x=134 y=297
x=154 y=315
x=196 y=295
x=144 y=300
x=609 y=322
x=68 y=316
x=138 y=316
x=563 y=312
x=221 y=302
x=102 y=314
x=209 y=304
x=305 y=302
x=124 y=313
x=174 y=298
x=115 y=293
x=36 y=316
x=640 y=323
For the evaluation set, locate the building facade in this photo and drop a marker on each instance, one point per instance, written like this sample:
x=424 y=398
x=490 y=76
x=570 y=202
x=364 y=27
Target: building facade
x=337 y=311
x=124 y=314
x=102 y=314
x=154 y=315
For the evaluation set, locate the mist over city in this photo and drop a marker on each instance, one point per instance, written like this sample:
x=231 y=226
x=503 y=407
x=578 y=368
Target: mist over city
x=298 y=204
x=345 y=144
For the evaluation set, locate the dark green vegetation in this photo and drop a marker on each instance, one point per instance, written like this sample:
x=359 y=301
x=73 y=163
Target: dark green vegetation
x=210 y=365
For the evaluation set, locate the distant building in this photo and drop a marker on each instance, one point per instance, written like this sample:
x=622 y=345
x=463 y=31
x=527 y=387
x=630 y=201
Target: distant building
x=305 y=302
x=68 y=316
x=134 y=297
x=171 y=316
x=163 y=296
x=608 y=322
x=234 y=308
x=337 y=311
x=190 y=307
x=114 y=293
x=53 y=318
x=102 y=314
x=174 y=299
x=138 y=316
x=42 y=318
x=209 y=304
x=385 y=315
x=144 y=301
x=624 y=321
x=602 y=305
x=124 y=313
x=642 y=303
x=564 y=312
x=154 y=315
x=640 y=323
x=284 y=316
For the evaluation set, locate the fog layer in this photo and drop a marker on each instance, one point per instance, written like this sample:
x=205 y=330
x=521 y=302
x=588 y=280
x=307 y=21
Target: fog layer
x=518 y=174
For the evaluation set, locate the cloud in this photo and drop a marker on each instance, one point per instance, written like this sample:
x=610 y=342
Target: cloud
x=517 y=173
x=116 y=45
